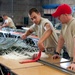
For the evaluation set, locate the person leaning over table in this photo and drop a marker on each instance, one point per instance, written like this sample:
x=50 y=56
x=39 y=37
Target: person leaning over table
x=44 y=29
x=67 y=35
x=8 y=22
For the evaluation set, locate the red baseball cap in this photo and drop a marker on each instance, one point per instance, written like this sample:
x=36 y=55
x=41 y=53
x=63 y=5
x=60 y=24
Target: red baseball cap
x=62 y=9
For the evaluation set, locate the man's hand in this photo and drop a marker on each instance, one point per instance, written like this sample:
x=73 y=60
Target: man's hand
x=56 y=56
x=23 y=36
x=34 y=56
x=41 y=46
x=0 y=27
x=72 y=66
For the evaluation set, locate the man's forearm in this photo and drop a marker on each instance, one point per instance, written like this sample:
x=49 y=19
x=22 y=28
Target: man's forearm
x=74 y=51
x=74 y=55
x=60 y=44
x=4 y=25
x=27 y=33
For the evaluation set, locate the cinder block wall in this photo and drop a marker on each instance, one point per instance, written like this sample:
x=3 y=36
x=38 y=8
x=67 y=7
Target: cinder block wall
x=18 y=9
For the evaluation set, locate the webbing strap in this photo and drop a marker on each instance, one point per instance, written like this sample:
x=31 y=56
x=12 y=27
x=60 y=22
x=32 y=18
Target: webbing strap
x=33 y=60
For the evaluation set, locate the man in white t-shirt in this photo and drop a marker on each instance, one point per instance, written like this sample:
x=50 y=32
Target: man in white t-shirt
x=8 y=22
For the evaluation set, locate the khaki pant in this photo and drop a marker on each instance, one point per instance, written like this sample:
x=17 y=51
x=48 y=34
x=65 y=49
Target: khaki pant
x=50 y=50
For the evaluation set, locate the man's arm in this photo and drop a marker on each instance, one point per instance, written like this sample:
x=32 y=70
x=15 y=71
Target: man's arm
x=27 y=33
x=60 y=43
x=72 y=65
x=45 y=35
x=74 y=51
x=6 y=24
x=59 y=47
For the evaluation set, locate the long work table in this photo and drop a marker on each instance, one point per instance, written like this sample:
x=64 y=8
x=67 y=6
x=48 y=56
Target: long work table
x=44 y=66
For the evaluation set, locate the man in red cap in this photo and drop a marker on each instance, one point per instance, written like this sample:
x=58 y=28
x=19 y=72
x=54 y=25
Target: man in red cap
x=67 y=35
